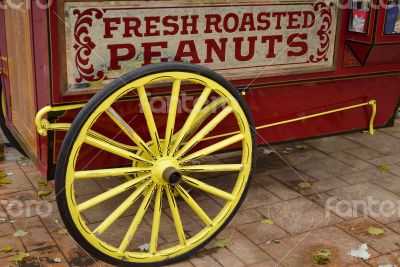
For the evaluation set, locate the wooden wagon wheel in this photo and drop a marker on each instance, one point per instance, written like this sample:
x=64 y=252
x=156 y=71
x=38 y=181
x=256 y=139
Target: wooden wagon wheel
x=162 y=167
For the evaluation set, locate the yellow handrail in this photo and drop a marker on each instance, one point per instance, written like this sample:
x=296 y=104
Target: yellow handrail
x=44 y=125
x=371 y=131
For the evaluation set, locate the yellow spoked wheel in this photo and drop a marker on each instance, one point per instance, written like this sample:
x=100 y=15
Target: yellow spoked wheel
x=180 y=192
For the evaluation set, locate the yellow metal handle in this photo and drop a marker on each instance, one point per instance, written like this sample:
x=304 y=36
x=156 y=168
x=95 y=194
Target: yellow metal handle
x=43 y=125
x=371 y=131
x=372 y=103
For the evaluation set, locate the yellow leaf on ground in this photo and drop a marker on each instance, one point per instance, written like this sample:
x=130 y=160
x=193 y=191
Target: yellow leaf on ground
x=322 y=256
x=222 y=243
x=20 y=256
x=62 y=231
x=267 y=221
x=42 y=183
x=6 y=249
x=5 y=181
x=375 y=231
x=44 y=193
x=305 y=184
x=384 y=168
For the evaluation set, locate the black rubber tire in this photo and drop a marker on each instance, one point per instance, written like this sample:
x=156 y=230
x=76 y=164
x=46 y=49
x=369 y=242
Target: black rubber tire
x=5 y=129
x=85 y=113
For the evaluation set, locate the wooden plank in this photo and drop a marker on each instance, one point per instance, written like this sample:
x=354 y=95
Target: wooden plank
x=20 y=70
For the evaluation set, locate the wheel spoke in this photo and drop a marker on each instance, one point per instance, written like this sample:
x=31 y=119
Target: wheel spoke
x=138 y=219
x=173 y=106
x=195 y=207
x=204 y=114
x=99 y=136
x=176 y=217
x=129 y=131
x=111 y=193
x=213 y=168
x=208 y=188
x=121 y=208
x=115 y=150
x=144 y=101
x=203 y=132
x=191 y=119
x=213 y=148
x=155 y=228
x=109 y=172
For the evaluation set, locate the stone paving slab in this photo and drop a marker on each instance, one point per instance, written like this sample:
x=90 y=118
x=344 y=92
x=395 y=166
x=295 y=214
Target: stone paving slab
x=350 y=192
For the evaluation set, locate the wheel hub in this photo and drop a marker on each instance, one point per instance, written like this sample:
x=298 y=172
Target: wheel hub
x=165 y=171
x=172 y=176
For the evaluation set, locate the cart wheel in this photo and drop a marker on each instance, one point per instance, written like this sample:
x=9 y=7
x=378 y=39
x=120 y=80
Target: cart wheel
x=170 y=204
x=4 y=127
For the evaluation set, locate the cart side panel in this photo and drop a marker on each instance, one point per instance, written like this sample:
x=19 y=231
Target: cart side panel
x=40 y=34
x=20 y=73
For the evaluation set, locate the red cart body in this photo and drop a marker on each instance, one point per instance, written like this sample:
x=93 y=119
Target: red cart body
x=292 y=60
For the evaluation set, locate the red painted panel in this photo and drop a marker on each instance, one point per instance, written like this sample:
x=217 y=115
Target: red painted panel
x=361 y=51
x=42 y=74
x=349 y=59
x=384 y=54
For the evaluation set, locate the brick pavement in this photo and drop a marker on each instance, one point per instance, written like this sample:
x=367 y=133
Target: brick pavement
x=355 y=182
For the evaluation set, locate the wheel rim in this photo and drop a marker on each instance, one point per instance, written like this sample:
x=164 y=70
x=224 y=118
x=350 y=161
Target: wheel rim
x=162 y=168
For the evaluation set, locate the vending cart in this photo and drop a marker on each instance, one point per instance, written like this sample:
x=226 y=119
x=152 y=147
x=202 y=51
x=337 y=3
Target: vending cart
x=128 y=104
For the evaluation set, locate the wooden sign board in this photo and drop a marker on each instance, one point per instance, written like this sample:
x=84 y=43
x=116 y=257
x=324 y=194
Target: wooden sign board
x=106 y=39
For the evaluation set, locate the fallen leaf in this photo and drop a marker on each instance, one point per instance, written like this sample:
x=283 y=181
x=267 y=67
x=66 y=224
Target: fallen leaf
x=375 y=231
x=267 y=221
x=42 y=183
x=20 y=256
x=62 y=231
x=20 y=233
x=57 y=260
x=5 y=181
x=322 y=256
x=267 y=151
x=222 y=243
x=384 y=168
x=361 y=252
x=273 y=241
x=305 y=184
x=6 y=249
x=44 y=193
x=3 y=174
x=144 y=247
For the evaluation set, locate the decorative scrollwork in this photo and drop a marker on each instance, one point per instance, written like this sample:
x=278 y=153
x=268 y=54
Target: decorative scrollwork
x=84 y=45
x=324 y=11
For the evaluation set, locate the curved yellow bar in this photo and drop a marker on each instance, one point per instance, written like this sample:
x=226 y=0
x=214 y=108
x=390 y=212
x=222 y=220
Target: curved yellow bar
x=43 y=125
